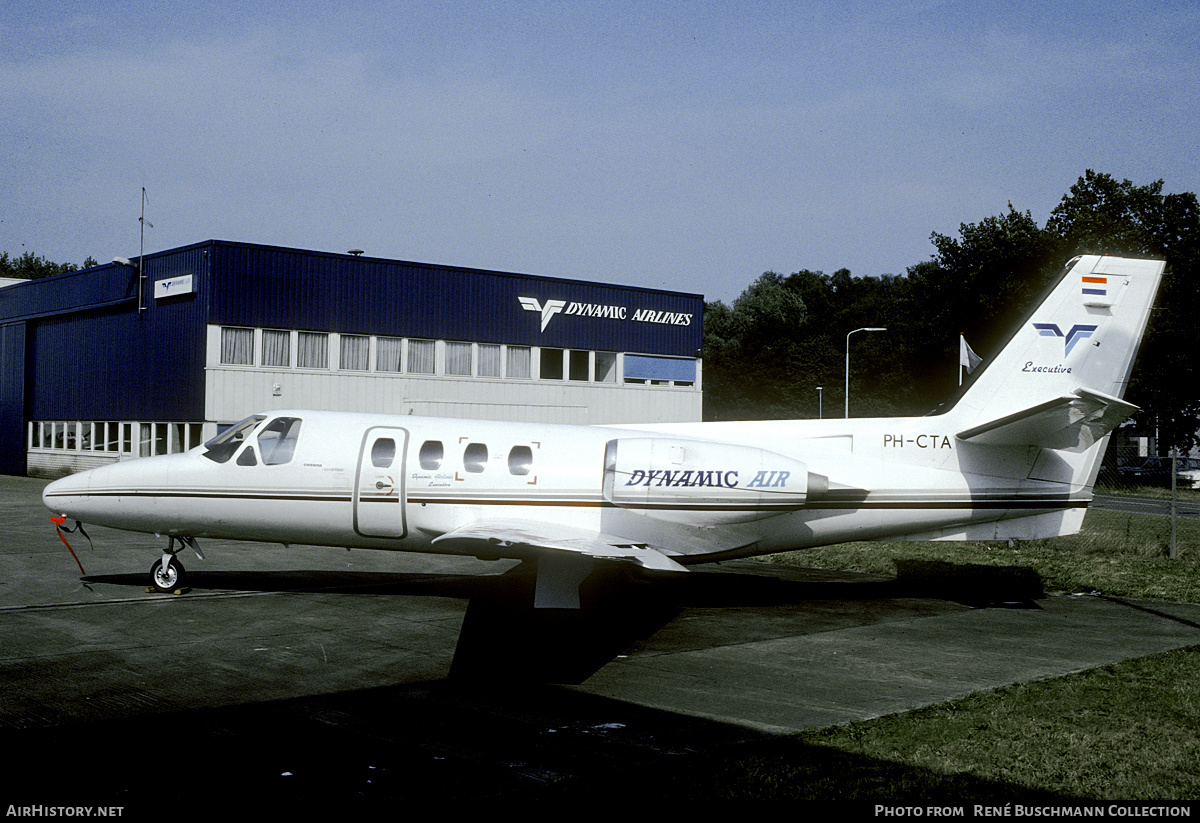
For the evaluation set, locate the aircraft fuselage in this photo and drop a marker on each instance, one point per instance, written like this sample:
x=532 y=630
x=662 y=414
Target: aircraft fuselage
x=708 y=490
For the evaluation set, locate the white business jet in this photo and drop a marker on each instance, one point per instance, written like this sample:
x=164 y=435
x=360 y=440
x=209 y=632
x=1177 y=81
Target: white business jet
x=1015 y=457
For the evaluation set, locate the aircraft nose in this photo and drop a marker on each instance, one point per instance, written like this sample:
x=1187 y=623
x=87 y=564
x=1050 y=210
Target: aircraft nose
x=63 y=495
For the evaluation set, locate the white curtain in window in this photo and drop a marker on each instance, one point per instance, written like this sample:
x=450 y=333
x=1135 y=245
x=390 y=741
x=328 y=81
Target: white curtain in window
x=517 y=362
x=237 y=346
x=276 y=348
x=420 y=356
x=387 y=354
x=313 y=350
x=606 y=367
x=354 y=352
x=458 y=358
x=489 y=360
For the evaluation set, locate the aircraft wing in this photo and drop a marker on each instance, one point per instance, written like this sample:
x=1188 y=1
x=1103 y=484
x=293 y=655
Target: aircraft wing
x=1072 y=422
x=542 y=538
x=558 y=549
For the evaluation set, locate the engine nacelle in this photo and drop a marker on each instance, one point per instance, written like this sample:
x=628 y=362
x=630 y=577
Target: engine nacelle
x=704 y=483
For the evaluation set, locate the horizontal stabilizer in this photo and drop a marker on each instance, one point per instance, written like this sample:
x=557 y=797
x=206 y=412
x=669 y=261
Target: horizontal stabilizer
x=528 y=538
x=1072 y=423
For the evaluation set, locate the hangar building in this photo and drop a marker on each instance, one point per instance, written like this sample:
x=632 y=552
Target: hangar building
x=104 y=364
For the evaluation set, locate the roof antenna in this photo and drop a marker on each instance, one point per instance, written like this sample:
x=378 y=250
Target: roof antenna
x=142 y=252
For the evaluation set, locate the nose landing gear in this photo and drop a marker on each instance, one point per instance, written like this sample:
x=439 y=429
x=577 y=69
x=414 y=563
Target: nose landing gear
x=167 y=575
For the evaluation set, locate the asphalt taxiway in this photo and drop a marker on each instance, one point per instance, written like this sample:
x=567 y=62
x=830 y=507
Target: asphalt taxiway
x=312 y=672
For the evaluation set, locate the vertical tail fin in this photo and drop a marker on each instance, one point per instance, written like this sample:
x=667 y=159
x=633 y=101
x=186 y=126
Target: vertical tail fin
x=1083 y=336
x=1058 y=382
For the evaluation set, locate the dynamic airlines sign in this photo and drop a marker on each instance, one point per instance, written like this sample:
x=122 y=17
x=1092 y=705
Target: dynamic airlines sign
x=550 y=308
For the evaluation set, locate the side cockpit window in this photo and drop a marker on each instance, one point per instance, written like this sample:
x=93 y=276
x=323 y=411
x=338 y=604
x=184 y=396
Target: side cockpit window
x=222 y=447
x=277 y=440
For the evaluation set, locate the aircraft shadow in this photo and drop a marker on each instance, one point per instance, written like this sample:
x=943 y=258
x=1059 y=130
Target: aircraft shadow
x=310 y=580
x=364 y=751
x=505 y=640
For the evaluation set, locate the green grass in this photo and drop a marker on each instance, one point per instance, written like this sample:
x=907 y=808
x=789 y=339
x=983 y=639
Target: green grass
x=1117 y=732
x=1122 y=732
x=1124 y=555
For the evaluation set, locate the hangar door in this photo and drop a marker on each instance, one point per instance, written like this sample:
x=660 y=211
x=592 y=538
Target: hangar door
x=12 y=398
x=379 y=483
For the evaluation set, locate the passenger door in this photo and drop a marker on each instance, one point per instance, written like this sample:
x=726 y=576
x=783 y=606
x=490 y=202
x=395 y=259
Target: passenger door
x=379 y=483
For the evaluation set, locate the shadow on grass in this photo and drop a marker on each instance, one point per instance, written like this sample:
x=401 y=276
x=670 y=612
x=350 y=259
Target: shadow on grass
x=970 y=583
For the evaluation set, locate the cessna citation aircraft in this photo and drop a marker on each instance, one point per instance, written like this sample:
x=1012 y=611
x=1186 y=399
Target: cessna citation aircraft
x=1015 y=457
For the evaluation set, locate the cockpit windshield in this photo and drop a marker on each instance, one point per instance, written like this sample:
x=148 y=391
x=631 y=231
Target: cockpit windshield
x=222 y=447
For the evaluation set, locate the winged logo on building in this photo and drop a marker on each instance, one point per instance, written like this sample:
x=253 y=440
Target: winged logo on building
x=551 y=308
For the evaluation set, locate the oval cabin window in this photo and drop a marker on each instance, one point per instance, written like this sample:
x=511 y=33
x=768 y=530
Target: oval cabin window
x=431 y=454
x=383 y=452
x=475 y=457
x=520 y=460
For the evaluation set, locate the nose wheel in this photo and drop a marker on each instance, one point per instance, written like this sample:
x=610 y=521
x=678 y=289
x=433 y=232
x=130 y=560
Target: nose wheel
x=166 y=575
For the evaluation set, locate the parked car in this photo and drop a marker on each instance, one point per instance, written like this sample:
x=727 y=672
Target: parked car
x=1156 y=471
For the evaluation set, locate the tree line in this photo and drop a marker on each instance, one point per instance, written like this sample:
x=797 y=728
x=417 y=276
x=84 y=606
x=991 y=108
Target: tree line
x=30 y=266
x=785 y=335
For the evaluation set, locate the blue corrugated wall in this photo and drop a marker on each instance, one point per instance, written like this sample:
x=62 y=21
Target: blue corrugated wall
x=266 y=286
x=110 y=362
x=12 y=398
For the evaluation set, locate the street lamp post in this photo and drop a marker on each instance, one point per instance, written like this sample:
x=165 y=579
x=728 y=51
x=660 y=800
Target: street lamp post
x=848 y=365
x=820 y=405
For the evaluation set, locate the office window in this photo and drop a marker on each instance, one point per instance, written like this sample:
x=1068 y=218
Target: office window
x=312 y=350
x=551 y=364
x=354 y=352
x=606 y=367
x=458 y=358
x=237 y=346
x=489 y=360
x=420 y=356
x=518 y=362
x=578 y=365
x=276 y=348
x=388 y=353
x=659 y=370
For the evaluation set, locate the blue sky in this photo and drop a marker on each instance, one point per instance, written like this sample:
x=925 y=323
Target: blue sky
x=679 y=145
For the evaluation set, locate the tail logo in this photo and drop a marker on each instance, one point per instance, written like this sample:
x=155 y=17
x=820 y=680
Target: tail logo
x=1077 y=333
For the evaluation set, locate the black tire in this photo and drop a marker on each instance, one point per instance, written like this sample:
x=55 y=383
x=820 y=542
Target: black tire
x=169 y=582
